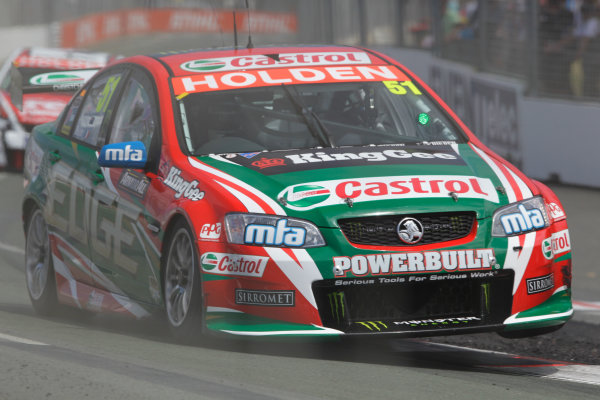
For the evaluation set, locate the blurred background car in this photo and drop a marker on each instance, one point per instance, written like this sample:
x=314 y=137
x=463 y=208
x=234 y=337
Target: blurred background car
x=35 y=85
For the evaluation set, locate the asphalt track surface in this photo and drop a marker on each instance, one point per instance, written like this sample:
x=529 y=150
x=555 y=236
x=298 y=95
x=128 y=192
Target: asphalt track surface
x=110 y=357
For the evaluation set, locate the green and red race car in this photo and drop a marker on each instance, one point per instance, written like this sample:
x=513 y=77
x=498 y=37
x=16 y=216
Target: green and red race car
x=286 y=191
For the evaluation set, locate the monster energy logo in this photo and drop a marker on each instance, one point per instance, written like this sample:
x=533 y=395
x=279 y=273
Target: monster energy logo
x=373 y=325
x=486 y=297
x=336 y=302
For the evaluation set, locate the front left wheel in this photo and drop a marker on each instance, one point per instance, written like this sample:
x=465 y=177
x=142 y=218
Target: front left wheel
x=39 y=271
x=182 y=285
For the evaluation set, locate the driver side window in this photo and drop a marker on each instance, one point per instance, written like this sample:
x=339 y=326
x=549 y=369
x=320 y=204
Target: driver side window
x=135 y=118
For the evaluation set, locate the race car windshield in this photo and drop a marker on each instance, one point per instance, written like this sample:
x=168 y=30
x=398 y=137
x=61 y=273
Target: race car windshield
x=309 y=116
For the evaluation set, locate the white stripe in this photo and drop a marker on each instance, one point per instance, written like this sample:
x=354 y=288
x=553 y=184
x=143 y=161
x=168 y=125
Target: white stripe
x=61 y=269
x=270 y=202
x=12 y=248
x=250 y=204
x=589 y=374
x=221 y=309
x=525 y=191
x=16 y=339
x=321 y=331
x=593 y=306
x=302 y=276
x=512 y=197
x=514 y=319
x=518 y=260
x=223 y=159
x=560 y=289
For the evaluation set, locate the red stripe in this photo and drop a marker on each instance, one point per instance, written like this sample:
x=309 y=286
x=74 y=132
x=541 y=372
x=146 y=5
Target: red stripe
x=584 y=304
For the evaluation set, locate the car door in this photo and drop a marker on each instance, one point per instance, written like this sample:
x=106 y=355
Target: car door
x=133 y=259
x=73 y=172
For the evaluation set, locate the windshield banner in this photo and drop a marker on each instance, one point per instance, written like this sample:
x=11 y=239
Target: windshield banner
x=285 y=76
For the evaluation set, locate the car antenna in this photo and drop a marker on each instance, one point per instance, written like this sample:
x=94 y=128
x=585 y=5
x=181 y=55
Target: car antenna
x=235 y=38
x=250 y=45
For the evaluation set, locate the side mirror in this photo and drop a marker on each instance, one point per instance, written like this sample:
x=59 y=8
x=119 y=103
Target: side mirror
x=123 y=155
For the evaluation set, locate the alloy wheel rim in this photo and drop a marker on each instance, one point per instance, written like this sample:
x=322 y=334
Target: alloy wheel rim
x=179 y=277
x=37 y=256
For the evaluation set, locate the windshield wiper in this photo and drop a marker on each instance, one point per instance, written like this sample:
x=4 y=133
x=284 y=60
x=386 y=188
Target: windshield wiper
x=314 y=124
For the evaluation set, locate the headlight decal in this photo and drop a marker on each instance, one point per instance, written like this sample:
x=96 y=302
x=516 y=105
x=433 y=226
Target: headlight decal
x=272 y=231
x=522 y=217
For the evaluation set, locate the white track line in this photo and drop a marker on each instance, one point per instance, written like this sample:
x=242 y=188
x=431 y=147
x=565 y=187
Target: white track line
x=11 y=248
x=586 y=305
x=16 y=339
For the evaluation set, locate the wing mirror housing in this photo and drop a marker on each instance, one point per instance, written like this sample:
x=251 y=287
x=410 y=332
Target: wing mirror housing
x=123 y=155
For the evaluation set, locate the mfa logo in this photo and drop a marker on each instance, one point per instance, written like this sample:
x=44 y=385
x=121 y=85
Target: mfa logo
x=124 y=155
x=278 y=235
x=211 y=231
x=410 y=230
x=306 y=196
x=202 y=65
x=523 y=221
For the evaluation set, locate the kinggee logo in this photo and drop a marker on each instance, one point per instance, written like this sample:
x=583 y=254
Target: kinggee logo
x=306 y=195
x=203 y=65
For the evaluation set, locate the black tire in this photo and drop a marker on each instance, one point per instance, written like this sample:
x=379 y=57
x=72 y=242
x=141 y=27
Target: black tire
x=182 y=284
x=39 y=271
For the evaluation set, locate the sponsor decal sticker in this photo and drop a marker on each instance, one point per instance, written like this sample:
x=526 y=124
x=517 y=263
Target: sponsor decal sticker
x=62 y=78
x=129 y=154
x=555 y=211
x=183 y=188
x=289 y=76
x=135 y=183
x=250 y=155
x=268 y=162
x=278 y=235
x=270 y=298
x=295 y=160
x=414 y=262
x=418 y=278
x=558 y=243
x=260 y=61
x=211 y=231
x=337 y=192
x=540 y=284
x=523 y=221
x=438 y=321
x=234 y=264
x=303 y=196
x=373 y=325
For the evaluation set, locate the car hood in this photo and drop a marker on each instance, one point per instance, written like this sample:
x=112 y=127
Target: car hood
x=324 y=185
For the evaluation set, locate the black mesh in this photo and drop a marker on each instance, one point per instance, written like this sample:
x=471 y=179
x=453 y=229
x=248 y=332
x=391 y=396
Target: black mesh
x=381 y=231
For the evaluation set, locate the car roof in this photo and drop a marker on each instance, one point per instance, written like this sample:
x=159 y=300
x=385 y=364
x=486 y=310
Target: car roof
x=230 y=59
